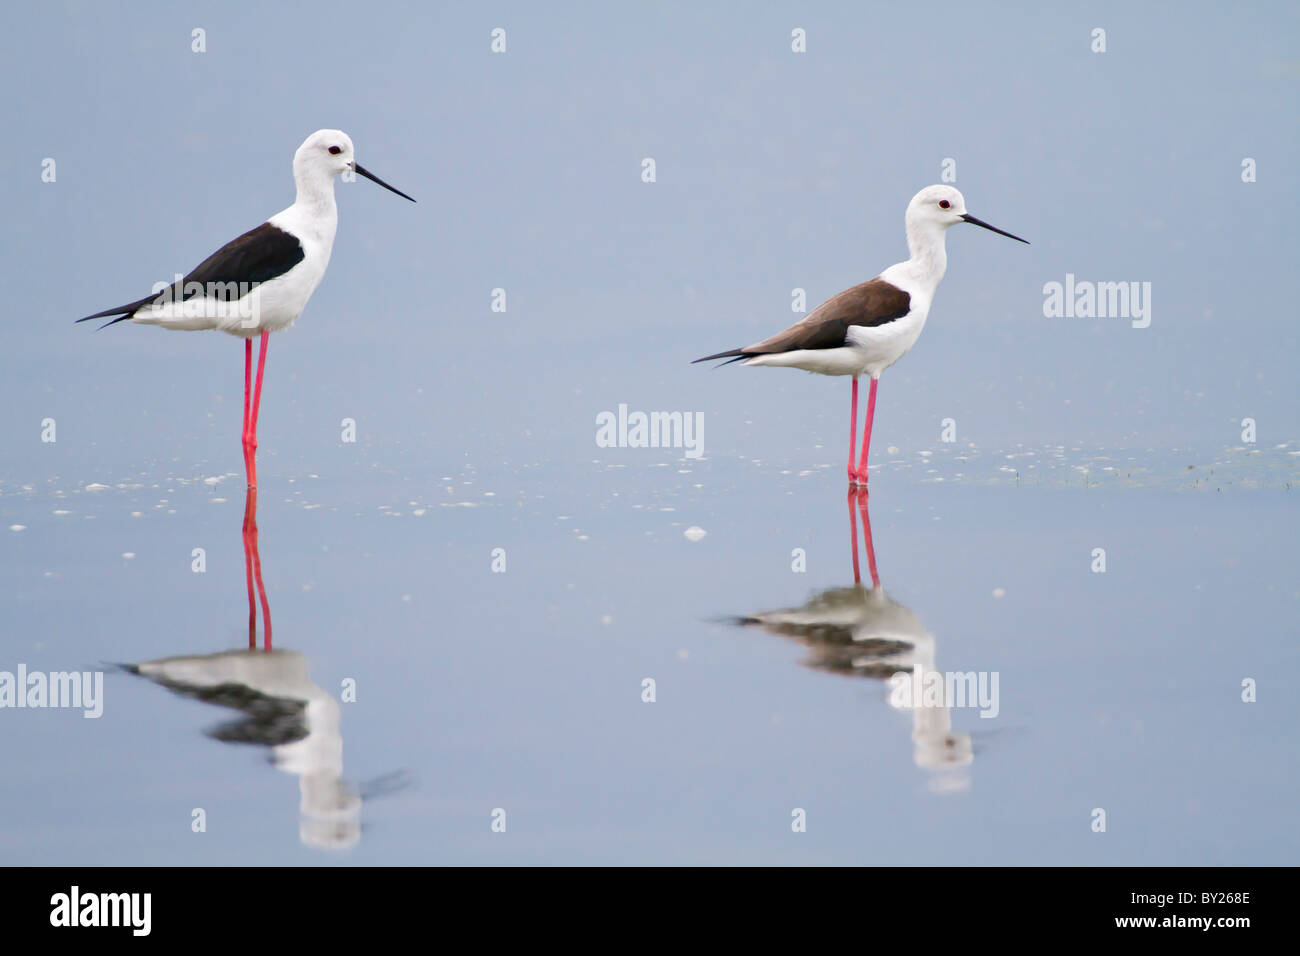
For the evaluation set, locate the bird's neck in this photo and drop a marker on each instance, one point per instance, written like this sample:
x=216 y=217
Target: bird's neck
x=929 y=258
x=315 y=193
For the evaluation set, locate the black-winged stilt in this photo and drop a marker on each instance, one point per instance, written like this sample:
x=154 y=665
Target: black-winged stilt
x=260 y=283
x=866 y=329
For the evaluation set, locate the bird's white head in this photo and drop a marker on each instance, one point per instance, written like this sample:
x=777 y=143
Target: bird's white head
x=938 y=207
x=326 y=153
x=942 y=206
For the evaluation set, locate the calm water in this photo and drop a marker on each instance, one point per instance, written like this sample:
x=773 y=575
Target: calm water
x=522 y=689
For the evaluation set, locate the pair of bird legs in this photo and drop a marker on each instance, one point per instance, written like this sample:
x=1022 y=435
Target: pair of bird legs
x=858 y=475
x=250 y=412
x=252 y=558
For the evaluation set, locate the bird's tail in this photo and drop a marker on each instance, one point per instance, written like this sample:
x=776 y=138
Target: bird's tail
x=123 y=312
x=739 y=354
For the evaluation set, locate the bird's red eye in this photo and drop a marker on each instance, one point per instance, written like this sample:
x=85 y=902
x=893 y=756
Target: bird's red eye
x=335 y=150
x=943 y=203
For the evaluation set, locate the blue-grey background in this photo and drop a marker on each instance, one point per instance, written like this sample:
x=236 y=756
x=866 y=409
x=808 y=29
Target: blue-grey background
x=775 y=171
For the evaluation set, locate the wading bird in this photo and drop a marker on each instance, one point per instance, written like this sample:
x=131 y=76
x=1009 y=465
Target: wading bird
x=260 y=283
x=866 y=329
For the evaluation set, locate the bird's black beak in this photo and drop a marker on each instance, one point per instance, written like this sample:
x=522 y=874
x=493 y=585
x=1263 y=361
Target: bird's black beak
x=970 y=219
x=362 y=171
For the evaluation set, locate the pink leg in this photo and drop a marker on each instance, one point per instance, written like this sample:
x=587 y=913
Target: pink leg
x=248 y=381
x=866 y=432
x=257 y=404
x=853 y=433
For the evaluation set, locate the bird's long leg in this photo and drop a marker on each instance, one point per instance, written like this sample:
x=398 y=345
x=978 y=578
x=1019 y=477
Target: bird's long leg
x=248 y=381
x=867 y=539
x=257 y=404
x=853 y=435
x=866 y=431
x=853 y=536
x=250 y=499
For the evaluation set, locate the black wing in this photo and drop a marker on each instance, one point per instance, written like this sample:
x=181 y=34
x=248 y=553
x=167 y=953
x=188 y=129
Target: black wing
x=259 y=255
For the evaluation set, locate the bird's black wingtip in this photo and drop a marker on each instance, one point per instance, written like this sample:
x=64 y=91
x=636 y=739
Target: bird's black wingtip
x=120 y=318
x=123 y=312
x=736 y=355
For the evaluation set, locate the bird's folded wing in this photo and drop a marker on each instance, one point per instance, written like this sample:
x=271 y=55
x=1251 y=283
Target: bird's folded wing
x=259 y=255
x=872 y=303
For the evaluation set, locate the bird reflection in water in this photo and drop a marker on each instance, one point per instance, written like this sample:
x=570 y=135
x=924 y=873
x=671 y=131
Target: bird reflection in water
x=861 y=632
x=281 y=709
